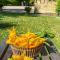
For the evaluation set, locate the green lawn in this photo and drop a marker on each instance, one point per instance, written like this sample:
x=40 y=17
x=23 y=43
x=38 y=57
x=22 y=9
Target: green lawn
x=24 y=23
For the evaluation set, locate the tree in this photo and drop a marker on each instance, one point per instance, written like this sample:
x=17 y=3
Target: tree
x=58 y=7
x=3 y=2
x=14 y=2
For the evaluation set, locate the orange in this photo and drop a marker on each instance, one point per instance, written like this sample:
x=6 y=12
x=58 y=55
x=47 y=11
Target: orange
x=17 y=57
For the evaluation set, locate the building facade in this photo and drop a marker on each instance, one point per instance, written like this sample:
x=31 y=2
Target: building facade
x=46 y=6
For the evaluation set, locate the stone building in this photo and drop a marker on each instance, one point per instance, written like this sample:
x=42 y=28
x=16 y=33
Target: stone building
x=46 y=6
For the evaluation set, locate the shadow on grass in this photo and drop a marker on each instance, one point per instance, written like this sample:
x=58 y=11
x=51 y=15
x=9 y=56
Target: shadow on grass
x=1 y=17
x=6 y=25
x=17 y=14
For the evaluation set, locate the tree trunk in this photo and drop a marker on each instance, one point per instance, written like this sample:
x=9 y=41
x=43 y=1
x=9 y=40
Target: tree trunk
x=36 y=9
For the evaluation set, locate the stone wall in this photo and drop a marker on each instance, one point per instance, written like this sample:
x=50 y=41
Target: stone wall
x=46 y=6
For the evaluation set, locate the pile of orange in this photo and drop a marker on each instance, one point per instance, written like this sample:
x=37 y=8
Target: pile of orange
x=18 y=57
x=28 y=40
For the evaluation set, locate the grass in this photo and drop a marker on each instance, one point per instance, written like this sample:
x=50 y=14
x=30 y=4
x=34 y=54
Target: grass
x=24 y=23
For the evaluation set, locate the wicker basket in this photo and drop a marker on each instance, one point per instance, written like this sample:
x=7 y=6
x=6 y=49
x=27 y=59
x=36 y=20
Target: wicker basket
x=33 y=52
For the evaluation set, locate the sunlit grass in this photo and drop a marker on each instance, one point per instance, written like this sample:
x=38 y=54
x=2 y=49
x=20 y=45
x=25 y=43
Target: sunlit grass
x=24 y=23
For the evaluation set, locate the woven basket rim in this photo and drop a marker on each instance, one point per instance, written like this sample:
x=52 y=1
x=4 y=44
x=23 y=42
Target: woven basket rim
x=27 y=48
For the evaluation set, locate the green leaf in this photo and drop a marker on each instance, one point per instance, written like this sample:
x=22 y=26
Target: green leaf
x=51 y=35
x=10 y=59
x=41 y=34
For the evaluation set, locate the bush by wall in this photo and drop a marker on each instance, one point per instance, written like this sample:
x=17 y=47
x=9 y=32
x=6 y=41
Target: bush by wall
x=58 y=7
x=27 y=9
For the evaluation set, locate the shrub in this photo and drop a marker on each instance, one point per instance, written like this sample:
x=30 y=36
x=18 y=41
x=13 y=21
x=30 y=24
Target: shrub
x=58 y=7
x=27 y=9
x=1 y=7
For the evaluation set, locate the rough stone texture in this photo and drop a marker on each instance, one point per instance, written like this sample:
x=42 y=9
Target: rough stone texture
x=46 y=6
